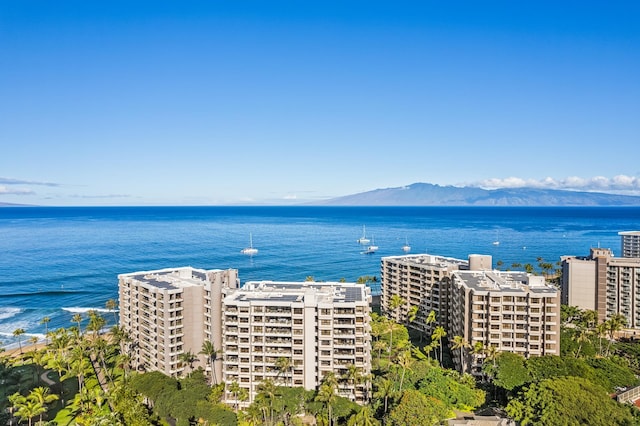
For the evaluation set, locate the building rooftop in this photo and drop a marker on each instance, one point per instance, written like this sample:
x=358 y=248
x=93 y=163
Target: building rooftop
x=289 y=292
x=428 y=259
x=170 y=278
x=622 y=233
x=509 y=281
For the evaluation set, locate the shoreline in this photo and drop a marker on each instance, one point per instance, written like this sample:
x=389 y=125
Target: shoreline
x=14 y=352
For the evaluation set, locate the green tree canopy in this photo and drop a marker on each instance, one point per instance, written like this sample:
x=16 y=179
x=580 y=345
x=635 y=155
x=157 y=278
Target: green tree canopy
x=510 y=371
x=567 y=401
x=415 y=408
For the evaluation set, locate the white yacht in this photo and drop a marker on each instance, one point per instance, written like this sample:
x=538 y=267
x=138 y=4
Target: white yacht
x=249 y=250
x=363 y=240
x=406 y=247
x=371 y=248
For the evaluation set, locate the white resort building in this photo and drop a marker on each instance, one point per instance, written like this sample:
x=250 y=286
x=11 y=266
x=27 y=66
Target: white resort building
x=510 y=311
x=292 y=332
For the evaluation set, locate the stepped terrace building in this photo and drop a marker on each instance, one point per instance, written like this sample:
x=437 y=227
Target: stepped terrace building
x=511 y=311
x=604 y=283
x=310 y=328
x=169 y=312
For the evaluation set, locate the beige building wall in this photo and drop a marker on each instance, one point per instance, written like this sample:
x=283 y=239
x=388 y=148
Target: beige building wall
x=168 y=312
x=630 y=243
x=615 y=282
x=318 y=327
x=420 y=280
x=579 y=283
x=510 y=311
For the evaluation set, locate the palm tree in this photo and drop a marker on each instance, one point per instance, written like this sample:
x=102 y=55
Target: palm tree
x=211 y=353
x=42 y=396
x=589 y=318
x=16 y=400
x=78 y=366
x=267 y=390
x=412 y=314
x=477 y=351
x=460 y=343
x=379 y=345
x=77 y=318
x=438 y=334
x=404 y=361
x=56 y=362
x=614 y=324
x=33 y=340
x=384 y=390
x=234 y=388
x=18 y=332
x=284 y=365
x=96 y=323
x=30 y=409
x=112 y=305
x=491 y=354
x=364 y=417
x=327 y=394
x=46 y=321
x=601 y=331
x=394 y=303
x=580 y=335
x=353 y=376
x=431 y=318
x=189 y=358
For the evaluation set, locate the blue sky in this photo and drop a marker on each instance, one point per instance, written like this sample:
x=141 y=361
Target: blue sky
x=189 y=103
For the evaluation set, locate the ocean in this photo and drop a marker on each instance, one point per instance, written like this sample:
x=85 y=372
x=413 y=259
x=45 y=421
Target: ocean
x=58 y=261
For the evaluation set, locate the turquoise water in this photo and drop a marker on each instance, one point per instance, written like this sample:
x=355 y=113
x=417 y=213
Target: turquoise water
x=58 y=261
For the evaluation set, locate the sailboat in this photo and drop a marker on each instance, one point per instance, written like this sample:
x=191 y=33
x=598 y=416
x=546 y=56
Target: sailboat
x=406 y=247
x=363 y=240
x=249 y=250
x=496 y=242
x=371 y=248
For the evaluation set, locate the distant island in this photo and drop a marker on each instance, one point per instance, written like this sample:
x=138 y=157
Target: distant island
x=426 y=194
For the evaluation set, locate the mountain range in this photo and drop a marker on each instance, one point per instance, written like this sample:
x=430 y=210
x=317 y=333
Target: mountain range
x=426 y=194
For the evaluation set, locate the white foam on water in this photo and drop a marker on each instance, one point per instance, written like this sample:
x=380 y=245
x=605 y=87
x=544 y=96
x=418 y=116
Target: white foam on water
x=7 y=329
x=9 y=312
x=78 y=310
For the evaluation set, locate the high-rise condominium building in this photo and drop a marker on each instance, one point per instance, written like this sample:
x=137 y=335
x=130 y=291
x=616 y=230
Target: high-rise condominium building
x=630 y=243
x=422 y=280
x=295 y=334
x=170 y=312
x=604 y=283
x=511 y=311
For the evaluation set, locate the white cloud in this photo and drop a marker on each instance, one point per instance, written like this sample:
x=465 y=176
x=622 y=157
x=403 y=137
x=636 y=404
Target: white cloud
x=620 y=184
x=14 y=191
x=11 y=181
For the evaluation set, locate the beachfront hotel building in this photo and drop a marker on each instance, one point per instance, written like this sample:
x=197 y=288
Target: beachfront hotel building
x=422 y=280
x=606 y=284
x=317 y=328
x=511 y=311
x=169 y=312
